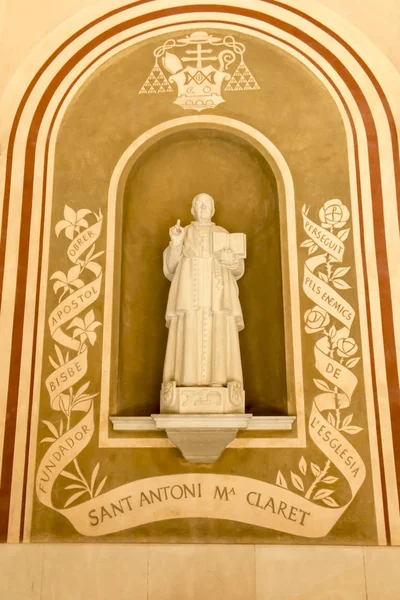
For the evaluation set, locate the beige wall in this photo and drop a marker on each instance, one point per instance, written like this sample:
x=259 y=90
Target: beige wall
x=131 y=572
x=379 y=20
x=186 y=572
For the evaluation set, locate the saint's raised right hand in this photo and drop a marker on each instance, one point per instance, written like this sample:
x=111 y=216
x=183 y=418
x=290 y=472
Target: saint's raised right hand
x=176 y=233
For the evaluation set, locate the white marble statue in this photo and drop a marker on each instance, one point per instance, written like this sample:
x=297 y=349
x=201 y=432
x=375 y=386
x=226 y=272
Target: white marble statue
x=203 y=262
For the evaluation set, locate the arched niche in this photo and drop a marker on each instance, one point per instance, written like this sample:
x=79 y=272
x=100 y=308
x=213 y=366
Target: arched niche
x=151 y=187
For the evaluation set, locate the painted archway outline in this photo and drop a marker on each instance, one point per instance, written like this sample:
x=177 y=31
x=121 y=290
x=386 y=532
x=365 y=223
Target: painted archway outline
x=24 y=338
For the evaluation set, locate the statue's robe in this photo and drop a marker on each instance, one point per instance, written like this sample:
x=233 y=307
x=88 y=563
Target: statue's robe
x=203 y=312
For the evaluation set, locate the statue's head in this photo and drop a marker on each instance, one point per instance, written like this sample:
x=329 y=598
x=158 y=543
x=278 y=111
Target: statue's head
x=203 y=208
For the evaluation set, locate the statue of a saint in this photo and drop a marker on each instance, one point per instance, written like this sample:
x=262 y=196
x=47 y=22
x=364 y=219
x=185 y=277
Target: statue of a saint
x=203 y=262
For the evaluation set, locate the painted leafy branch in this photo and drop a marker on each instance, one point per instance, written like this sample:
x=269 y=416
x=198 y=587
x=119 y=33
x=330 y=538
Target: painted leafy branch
x=82 y=485
x=78 y=396
x=333 y=217
x=307 y=481
x=311 y=480
x=88 y=262
x=60 y=357
x=56 y=433
x=345 y=426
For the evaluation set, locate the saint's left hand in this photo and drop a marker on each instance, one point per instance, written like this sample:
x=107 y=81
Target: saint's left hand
x=227 y=257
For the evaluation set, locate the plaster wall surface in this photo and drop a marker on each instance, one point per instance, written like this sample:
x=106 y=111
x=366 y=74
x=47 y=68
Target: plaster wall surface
x=195 y=572
x=190 y=572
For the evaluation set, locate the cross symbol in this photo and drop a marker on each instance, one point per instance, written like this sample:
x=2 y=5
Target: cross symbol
x=199 y=55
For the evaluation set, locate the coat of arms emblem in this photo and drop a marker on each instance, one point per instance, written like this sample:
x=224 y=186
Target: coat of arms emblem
x=199 y=69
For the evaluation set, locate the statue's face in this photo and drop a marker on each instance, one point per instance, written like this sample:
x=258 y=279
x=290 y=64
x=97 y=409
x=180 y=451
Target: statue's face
x=203 y=209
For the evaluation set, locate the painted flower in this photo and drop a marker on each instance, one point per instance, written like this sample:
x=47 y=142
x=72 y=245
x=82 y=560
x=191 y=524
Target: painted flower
x=316 y=319
x=85 y=328
x=334 y=214
x=67 y=282
x=73 y=222
x=346 y=347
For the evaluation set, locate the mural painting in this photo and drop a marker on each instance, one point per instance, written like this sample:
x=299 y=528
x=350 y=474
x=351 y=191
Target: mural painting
x=194 y=432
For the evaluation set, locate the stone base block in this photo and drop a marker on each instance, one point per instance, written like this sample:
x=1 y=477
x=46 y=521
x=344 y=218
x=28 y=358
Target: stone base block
x=201 y=438
x=202 y=400
x=201 y=446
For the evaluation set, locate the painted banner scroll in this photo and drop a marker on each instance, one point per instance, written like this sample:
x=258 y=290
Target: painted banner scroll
x=308 y=511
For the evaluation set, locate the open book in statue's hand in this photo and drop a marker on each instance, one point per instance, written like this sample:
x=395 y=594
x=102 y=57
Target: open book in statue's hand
x=235 y=242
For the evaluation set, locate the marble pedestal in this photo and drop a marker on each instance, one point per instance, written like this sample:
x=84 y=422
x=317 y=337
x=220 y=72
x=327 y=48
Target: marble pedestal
x=201 y=438
x=202 y=400
x=201 y=421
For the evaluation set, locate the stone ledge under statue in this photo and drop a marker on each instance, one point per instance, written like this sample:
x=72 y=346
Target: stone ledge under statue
x=256 y=423
x=201 y=438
